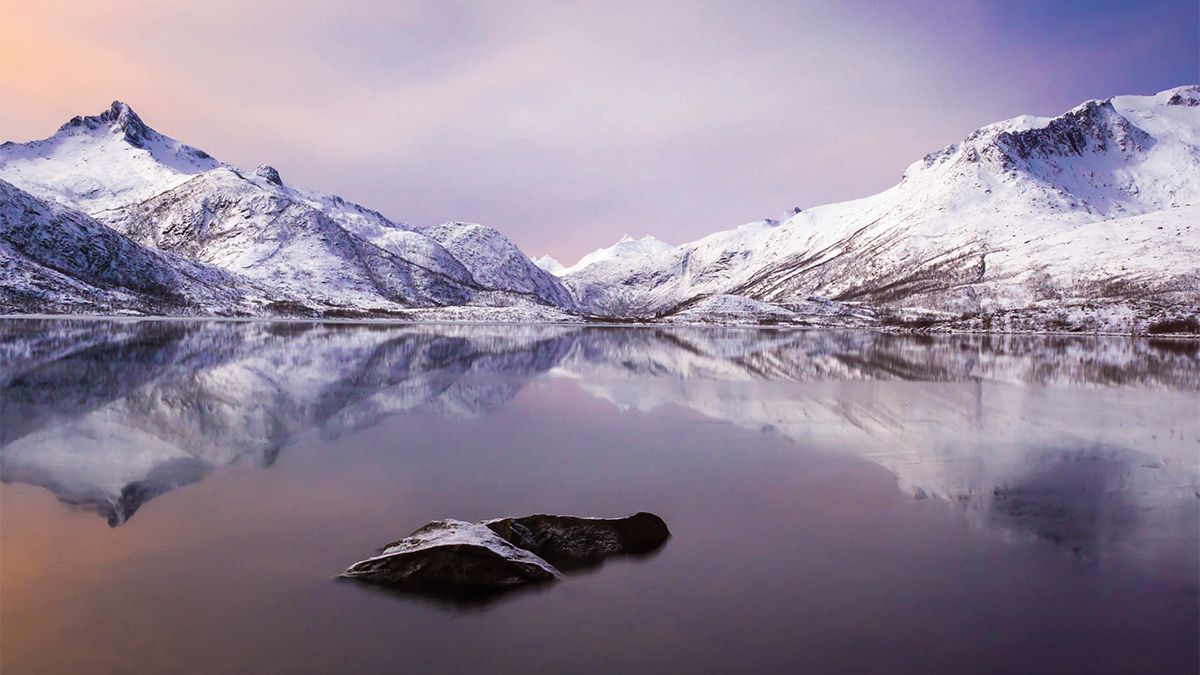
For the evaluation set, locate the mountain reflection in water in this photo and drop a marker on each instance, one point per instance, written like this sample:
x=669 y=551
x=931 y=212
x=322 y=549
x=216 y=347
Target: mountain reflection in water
x=1018 y=432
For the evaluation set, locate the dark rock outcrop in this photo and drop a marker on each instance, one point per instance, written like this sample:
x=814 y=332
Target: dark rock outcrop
x=452 y=555
x=270 y=173
x=449 y=557
x=571 y=542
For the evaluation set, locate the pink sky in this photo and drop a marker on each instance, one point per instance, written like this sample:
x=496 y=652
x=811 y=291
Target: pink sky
x=568 y=124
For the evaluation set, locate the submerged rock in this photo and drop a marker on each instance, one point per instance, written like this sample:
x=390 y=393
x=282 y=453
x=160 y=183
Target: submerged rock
x=452 y=556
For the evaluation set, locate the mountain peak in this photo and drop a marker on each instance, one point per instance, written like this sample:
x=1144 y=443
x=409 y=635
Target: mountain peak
x=120 y=118
x=649 y=240
x=103 y=161
x=550 y=264
x=1093 y=126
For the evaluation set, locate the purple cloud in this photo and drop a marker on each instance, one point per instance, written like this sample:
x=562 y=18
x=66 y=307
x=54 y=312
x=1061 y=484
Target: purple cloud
x=568 y=124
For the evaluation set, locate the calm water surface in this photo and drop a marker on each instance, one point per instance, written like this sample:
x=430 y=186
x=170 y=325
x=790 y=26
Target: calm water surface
x=177 y=497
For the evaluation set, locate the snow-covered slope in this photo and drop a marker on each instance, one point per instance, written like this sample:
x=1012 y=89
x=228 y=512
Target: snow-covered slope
x=496 y=263
x=549 y=263
x=309 y=252
x=55 y=259
x=625 y=252
x=1090 y=220
x=265 y=231
x=102 y=161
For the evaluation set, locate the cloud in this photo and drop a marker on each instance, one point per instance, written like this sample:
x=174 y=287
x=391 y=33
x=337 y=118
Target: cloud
x=568 y=124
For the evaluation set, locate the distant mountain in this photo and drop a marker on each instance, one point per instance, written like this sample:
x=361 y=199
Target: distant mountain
x=308 y=252
x=549 y=264
x=625 y=252
x=1086 y=221
x=1089 y=221
x=496 y=262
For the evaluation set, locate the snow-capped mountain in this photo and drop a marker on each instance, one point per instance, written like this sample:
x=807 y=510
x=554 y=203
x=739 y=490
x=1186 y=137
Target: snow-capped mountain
x=496 y=262
x=626 y=251
x=54 y=259
x=102 y=162
x=549 y=263
x=588 y=279
x=1086 y=221
x=305 y=251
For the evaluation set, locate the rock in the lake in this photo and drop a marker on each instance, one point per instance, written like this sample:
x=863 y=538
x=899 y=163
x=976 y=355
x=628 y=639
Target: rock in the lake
x=452 y=556
x=571 y=542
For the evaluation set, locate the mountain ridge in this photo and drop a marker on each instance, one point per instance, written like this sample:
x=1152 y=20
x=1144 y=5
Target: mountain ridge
x=312 y=253
x=981 y=227
x=1084 y=221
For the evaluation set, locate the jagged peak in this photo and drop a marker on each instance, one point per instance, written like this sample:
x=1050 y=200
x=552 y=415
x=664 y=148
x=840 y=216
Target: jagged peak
x=1090 y=107
x=1187 y=95
x=120 y=117
x=549 y=263
x=1094 y=125
x=269 y=173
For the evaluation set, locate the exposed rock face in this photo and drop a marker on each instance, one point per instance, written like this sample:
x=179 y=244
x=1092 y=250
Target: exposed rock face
x=452 y=556
x=270 y=173
x=570 y=542
x=1094 y=126
x=123 y=120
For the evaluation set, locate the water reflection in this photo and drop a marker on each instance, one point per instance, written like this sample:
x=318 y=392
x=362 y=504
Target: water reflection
x=1085 y=442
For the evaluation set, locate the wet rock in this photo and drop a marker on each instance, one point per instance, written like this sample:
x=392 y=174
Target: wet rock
x=571 y=542
x=452 y=556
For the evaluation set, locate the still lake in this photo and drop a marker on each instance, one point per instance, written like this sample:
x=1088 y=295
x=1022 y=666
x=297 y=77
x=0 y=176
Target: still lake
x=178 y=496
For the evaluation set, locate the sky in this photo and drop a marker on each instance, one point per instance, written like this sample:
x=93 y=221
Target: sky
x=569 y=124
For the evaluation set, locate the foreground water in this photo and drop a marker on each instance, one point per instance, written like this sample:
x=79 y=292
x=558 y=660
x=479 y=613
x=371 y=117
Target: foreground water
x=177 y=496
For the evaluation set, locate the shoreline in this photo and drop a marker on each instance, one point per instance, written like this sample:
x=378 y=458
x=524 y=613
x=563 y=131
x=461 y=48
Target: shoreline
x=579 y=324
